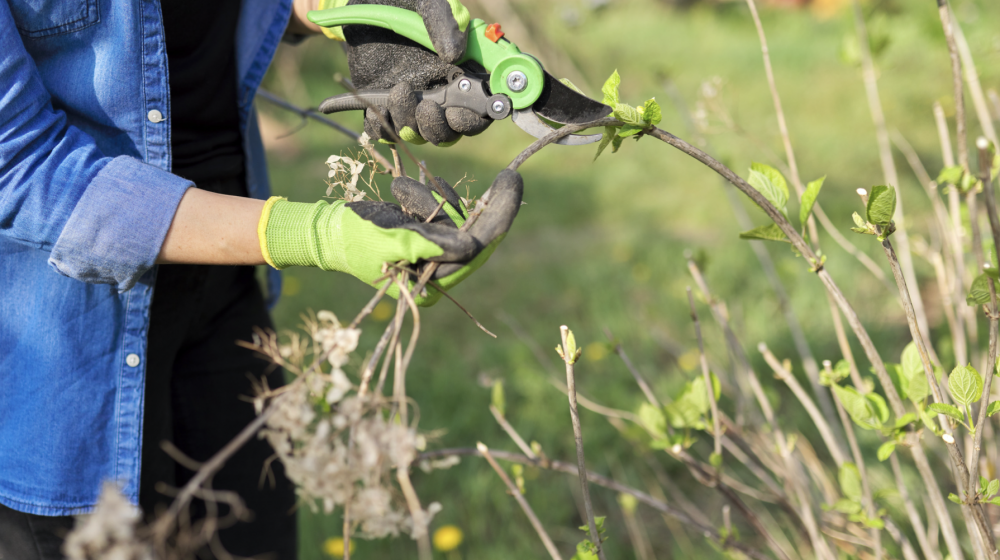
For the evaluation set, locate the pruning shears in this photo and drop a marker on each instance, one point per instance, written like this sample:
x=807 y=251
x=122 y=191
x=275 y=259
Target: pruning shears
x=516 y=84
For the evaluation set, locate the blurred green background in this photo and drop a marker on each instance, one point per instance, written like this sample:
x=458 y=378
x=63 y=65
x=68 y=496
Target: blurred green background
x=600 y=244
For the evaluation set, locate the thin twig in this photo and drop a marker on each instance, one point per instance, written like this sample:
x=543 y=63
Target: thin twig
x=319 y=117
x=972 y=79
x=416 y=512
x=639 y=379
x=703 y=528
x=859 y=461
x=953 y=450
x=889 y=172
x=513 y=491
x=836 y=451
x=569 y=359
x=809 y=361
x=167 y=521
x=929 y=547
x=444 y=292
x=525 y=448
x=398 y=170
x=985 y=162
x=709 y=386
x=956 y=78
x=895 y=402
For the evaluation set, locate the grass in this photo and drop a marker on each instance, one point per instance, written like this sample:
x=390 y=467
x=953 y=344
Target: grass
x=601 y=243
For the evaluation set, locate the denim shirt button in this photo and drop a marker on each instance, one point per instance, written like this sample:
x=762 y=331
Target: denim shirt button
x=132 y=360
x=154 y=116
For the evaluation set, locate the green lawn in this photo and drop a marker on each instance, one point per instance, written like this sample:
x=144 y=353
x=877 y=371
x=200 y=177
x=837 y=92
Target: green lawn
x=601 y=244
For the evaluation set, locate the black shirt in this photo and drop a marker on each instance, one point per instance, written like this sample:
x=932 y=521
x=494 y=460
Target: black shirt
x=201 y=51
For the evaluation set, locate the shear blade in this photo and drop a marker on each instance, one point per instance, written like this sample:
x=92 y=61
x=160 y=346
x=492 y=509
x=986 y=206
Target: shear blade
x=561 y=104
x=530 y=123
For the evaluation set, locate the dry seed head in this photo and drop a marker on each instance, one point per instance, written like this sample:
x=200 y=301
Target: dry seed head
x=109 y=532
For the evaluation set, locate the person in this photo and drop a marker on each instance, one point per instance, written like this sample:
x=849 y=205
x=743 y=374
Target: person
x=134 y=204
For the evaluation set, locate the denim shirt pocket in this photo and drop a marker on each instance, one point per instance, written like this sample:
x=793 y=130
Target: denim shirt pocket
x=42 y=18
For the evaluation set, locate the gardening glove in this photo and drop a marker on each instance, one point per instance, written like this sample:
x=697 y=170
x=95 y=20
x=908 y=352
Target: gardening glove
x=381 y=59
x=358 y=237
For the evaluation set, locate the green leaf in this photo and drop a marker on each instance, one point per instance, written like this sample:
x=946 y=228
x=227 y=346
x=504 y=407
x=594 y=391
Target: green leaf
x=993 y=487
x=850 y=481
x=571 y=85
x=773 y=174
x=847 y=506
x=809 y=199
x=880 y=407
x=699 y=395
x=947 y=410
x=967 y=183
x=952 y=174
x=609 y=133
x=771 y=184
x=929 y=420
x=856 y=406
x=979 y=293
x=993 y=408
x=955 y=498
x=628 y=115
x=859 y=221
x=686 y=411
x=965 y=385
x=766 y=233
x=715 y=459
x=881 y=205
x=497 y=397
x=652 y=419
x=905 y=420
x=995 y=501
x=616 y=143
x=629 y=130
x=838 y=372
x=610 y=89
x=651 y=112
x=913 y=378
x=886 y=450
x=874 y=523
x=716 y=385
x=583 y=551
x=983 y=484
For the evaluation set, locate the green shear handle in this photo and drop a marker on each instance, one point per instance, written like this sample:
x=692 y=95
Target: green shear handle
x=512 y=73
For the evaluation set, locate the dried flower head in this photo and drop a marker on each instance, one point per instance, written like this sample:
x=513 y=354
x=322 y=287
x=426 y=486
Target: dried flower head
x=109 y=533
x=339 y=447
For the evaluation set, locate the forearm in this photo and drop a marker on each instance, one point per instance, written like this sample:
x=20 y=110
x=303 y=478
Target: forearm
x=210 y=228
x=299 y=24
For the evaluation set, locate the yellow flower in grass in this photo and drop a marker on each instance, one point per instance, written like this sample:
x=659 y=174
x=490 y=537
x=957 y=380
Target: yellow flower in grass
x=383 y=311
x=447 y=538
x=334 y=546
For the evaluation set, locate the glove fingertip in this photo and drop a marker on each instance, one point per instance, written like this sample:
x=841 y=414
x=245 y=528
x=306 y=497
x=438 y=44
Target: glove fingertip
x=441 y=21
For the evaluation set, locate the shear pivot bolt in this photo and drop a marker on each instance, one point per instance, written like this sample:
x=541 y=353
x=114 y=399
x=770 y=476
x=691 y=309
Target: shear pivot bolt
x=464 y=84
x=517 y=81
x=498 y=106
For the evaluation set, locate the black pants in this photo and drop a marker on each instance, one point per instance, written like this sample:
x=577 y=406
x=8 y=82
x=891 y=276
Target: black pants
x=197 y=386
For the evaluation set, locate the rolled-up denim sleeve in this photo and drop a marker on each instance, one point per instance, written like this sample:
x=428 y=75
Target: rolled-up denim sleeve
x=103 y=219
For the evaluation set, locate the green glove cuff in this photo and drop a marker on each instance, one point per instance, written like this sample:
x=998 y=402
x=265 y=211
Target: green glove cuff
x=334 y=237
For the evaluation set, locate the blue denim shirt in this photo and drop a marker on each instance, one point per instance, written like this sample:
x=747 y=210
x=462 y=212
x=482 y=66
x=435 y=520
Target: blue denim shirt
x=86 y=198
